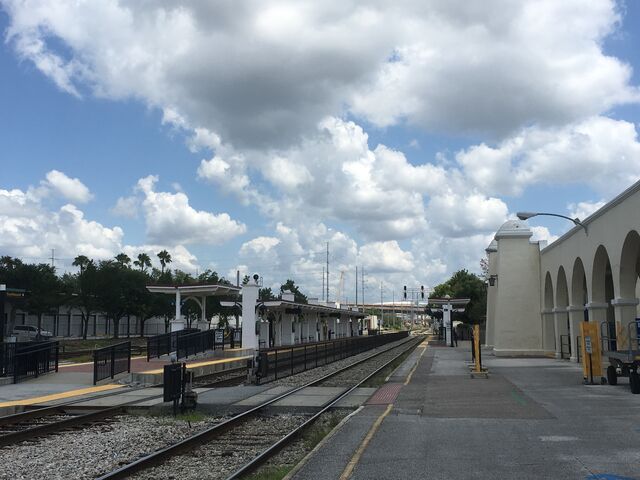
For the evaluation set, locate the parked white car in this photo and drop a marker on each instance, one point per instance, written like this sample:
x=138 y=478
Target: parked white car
x=30 y=331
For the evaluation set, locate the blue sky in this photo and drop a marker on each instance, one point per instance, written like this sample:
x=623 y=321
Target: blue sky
x=253 y=118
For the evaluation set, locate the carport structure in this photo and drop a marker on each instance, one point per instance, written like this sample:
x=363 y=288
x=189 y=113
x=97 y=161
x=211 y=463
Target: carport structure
x=588 y=274
x=197 y=293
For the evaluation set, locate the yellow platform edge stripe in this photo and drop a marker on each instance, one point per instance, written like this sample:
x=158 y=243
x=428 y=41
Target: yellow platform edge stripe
x=61 y=395
x=200 y=364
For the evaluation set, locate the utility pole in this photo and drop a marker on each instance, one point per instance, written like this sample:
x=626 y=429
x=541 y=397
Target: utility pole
x=356 y=286
x=237 y=278
x=327 y=271
x=323 y=284
x=53 y=258
x=381 y=310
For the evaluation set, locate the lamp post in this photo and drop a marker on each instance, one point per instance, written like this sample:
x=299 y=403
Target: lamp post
x=528 y=215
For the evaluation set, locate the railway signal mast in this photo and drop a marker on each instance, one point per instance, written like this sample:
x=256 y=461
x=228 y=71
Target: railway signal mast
x=415 y=295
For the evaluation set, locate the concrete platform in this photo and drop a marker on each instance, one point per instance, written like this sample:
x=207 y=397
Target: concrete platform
x=532 y=419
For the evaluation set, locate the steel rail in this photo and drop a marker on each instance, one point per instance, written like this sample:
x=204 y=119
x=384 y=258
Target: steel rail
x=82 y=419
x=276 y=447
x=200 y=438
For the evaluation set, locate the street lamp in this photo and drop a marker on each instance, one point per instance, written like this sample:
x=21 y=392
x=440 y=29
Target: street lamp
x=528 y=215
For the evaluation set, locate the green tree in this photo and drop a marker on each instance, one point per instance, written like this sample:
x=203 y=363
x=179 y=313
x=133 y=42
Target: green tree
x=44 y=289
x=463 y=284
x=266 y=294
x=143 y=262
x=81 y=261
x=292 y=287
x=123 y=259
x=115 y=286
x=83 y=292
x=165 y=259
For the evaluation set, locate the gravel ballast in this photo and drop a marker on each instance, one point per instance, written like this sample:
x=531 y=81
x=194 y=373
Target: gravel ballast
x=96 y=449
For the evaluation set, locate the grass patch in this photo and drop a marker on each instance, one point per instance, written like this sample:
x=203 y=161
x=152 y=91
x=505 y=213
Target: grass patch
x=320 y=429
x=270 y=473
x=310 y=438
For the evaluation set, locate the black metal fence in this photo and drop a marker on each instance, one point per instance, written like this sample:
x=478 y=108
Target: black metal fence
x=274 y=363
x=198 y=342
x=165 y=343
x=33 y=359
x=7 y=352
x=110 y=361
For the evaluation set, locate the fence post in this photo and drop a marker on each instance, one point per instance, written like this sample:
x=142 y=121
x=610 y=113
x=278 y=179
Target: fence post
x=129 y=359
x=305 y=358
x=57 y=355
x=291 y=359
x=276 y=366
x=113 y=361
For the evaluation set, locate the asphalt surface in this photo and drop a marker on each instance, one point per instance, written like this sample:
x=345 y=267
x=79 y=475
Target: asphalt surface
x=531 y=419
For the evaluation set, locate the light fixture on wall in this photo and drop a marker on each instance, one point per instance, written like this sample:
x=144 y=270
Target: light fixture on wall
x=528 y=215
x=492 y=280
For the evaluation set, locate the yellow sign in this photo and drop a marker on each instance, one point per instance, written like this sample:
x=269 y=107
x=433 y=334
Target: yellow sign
x=590 y=342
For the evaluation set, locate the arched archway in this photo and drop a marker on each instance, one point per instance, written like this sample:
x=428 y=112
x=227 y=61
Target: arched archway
x=561 y=317
x=548 y=323
x=626 y=306
x=602 y=292
x=629 y=263
x=579 y=291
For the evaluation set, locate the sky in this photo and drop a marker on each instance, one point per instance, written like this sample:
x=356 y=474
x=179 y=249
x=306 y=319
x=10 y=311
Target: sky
x=245 y=135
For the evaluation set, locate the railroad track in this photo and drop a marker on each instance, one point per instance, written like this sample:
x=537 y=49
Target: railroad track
x=45 y=421
x=238 y=431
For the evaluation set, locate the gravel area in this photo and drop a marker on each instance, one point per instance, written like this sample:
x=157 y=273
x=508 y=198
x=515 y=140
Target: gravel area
x=229 y=452
x=357 y=373
x=95 y=450
x=317 y=373
x=293 y=453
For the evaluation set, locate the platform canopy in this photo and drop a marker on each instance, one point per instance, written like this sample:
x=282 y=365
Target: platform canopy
x=198 y=293
x=454 y=302
x=294 y=307
x=207 y=290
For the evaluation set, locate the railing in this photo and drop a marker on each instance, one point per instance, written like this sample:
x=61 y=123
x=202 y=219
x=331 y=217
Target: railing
x=165 y=343
x=110 y=361
x=565 y=347
x=7 y=352
x=608 y=336
x=199 y=342
x=34 y=359
x=274 y=363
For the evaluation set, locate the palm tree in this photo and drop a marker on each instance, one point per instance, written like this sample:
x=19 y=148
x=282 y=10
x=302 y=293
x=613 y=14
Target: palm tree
x=123 y=259
x=165 y=258
x=81 y=261
x=143 y=261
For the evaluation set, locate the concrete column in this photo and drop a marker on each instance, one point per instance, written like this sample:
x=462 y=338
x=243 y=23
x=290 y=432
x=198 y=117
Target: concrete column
x=203 y=307
x=597 y=312
x=548 y=331
x=446 y=319
x=249 y=300
x=576 y=315
x=625 y=313
x=178 y=322
x=558 y=315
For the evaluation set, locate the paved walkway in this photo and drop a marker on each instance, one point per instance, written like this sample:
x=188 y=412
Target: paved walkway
x=75 y=380
x=532 y=419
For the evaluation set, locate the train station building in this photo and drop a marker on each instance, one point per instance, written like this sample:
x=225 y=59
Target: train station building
x=538 y=294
